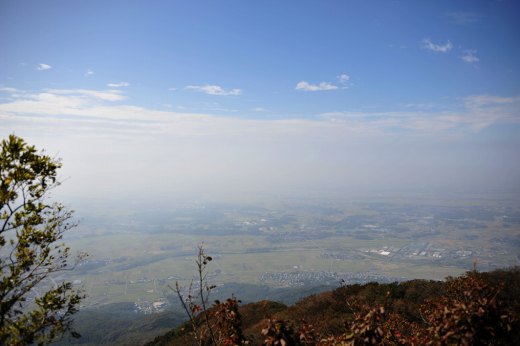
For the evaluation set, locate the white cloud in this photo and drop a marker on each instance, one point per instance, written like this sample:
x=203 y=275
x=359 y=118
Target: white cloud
x=482 y=101
x=480 y=111
x=96 y=107
x=470 y=56
x=323 y=86
x=104 y=95
x=42 y=67
x=214 y=90
x=257 y=109
x=89 y=73
x=13 y=92
x=118 y=85
x=428 y=44
x=343 y=79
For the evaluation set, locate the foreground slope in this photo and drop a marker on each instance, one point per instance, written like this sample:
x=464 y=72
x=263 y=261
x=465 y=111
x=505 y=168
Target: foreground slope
x=476 y=308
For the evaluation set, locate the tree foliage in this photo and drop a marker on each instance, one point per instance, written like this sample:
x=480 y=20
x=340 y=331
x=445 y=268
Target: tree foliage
x=33 y=307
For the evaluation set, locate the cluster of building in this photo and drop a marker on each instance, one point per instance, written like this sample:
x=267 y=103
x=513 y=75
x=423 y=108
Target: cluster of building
x=421 y=250
x=146 y=307
x=299 y=278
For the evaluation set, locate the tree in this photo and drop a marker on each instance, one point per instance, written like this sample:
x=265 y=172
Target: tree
x=218 y=325
x=34 y=308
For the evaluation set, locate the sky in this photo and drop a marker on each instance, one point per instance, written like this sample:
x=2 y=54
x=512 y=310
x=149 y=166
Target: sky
x=221 y=98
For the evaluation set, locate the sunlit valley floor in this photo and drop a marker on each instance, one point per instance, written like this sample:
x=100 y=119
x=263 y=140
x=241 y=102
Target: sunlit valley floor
x=135 y=254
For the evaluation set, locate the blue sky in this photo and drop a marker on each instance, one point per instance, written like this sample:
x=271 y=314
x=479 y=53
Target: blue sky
x=265 y=94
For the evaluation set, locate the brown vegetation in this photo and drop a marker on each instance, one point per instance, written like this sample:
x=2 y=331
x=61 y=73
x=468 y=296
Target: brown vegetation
x=474 y=309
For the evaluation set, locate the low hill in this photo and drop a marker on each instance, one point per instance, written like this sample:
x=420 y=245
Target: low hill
x=119 y=324
x=476 y=308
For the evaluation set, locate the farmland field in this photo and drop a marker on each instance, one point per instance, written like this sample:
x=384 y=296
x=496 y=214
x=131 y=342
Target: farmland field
x=136 y=255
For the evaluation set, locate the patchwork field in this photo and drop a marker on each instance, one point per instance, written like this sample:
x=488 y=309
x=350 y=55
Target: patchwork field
x=289 y=245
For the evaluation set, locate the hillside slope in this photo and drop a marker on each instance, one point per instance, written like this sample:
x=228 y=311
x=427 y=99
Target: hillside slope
x=479 y=308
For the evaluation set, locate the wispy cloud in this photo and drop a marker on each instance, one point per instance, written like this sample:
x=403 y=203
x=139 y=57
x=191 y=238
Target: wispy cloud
x=401 y=46
x=463 y=18
x=8 y=90
x=104 y=95
x=483 y=101
x=214 y=90
x=89 y=73
x=42 y=67
x=118 y=85
x=73 y=106
x=323 y=86
x=470 y=56
x=344 y=79
x=13 y=92
x=479 y=112
x=486 y=110
x=439 y=48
